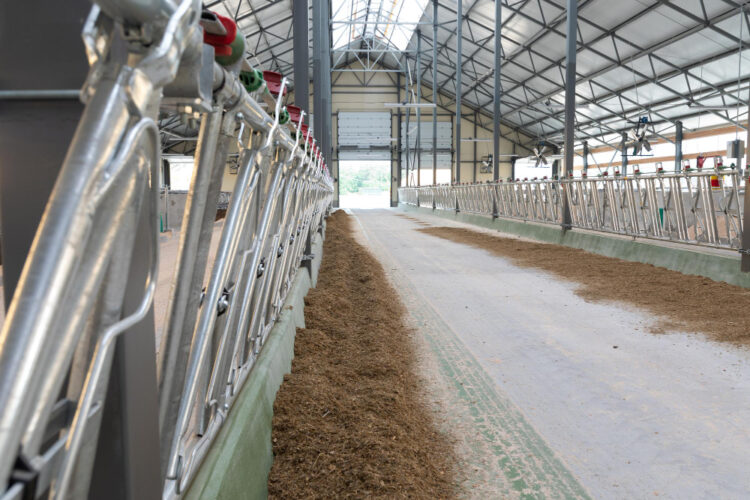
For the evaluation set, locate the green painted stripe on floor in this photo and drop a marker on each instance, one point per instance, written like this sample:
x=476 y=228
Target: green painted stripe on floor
x=530 y=466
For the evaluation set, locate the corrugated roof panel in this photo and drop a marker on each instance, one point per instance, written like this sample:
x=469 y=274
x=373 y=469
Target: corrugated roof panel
x=639 y=25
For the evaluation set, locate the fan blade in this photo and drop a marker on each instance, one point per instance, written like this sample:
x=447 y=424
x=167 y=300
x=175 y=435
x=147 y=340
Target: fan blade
x=536 y=151
x=647 y=145
x=544 y=160
x=544 y=148
x=633 y=134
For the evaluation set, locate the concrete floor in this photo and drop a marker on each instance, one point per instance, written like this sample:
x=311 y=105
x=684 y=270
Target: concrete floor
x=630 y=414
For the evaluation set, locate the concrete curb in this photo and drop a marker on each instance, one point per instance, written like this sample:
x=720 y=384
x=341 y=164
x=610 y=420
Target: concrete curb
x=239 y=461
x=718 y=265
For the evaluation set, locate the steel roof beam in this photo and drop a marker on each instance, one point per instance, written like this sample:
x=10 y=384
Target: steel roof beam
x=643 y=76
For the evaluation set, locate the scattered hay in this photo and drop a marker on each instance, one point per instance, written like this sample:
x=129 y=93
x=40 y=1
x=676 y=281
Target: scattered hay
x=683 y=301
x=350 y=420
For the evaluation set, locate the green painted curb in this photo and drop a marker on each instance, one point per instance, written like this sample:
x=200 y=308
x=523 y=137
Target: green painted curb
x=240 y=458
x=718 y=265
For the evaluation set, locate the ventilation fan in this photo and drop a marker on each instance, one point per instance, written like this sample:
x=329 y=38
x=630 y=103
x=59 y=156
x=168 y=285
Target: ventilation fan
x=486 y=166
x=638 y=139
x=540 y=156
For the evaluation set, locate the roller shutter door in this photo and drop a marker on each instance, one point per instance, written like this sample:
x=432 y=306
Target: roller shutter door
x=364 y=135
x=444 y=143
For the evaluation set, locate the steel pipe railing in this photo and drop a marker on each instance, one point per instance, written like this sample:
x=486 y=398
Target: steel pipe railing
x=698 y=207
x=70 y=306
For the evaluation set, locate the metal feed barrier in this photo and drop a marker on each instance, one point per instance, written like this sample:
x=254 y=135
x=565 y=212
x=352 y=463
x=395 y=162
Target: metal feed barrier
x=83 y=411
x=700 y=207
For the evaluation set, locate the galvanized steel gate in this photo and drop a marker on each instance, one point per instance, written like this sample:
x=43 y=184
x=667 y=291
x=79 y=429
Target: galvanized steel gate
x=698 y=207
x=81 y=410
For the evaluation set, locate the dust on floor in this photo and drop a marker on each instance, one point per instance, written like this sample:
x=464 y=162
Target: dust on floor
x=351 y=419
x=416 y=221
x=680 y=301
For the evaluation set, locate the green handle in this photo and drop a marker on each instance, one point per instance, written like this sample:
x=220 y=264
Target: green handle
x=252 y=80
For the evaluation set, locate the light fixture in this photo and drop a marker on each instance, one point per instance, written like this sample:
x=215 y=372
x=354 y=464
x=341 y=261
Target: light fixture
x=409 y=105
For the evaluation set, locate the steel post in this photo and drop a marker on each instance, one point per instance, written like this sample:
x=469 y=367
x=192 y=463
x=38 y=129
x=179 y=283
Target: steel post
x=474 y=154
x=399 y=146
x=301 y=54
x=459 y=40
x=678 y=146
x=407 y=98
x=624 y=146
x=434 y=88
x=497 y=89
x=745 y=244
x=418 y=71
x=319 y=39
x=570 y=102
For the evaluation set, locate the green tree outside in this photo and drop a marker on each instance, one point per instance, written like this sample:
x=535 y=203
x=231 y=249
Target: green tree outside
x=360 y=175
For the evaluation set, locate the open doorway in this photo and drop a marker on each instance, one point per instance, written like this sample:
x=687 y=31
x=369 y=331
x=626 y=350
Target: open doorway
x=364 y=184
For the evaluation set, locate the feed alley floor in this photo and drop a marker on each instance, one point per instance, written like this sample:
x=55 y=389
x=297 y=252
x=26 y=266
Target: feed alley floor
x=551 y=396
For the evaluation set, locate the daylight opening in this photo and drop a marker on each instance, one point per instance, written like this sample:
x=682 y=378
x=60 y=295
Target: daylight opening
x=364 y=184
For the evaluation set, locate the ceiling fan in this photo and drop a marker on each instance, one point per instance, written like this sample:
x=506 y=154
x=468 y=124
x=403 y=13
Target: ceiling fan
x=638 y=139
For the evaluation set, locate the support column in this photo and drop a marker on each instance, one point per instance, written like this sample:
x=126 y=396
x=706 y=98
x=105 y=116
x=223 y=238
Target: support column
x=570 y=101
x=459 y=39
x=678 y=146
x=474 y=155
x=419 y=112
x=745 y=244
x=496 y=99
x=407 y=99
x=328 y=99
x=434 y=89
x=301 y=55
x=624 y=146
x=318 y=40
x=322 y=87
x=398 y=147
x=398 y=134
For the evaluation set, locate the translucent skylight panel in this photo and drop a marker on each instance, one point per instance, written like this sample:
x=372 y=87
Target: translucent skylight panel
x=408 y=15
x=389 y=21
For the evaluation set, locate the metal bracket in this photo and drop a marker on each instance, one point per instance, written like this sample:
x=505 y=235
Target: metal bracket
x=309 y=256
x=744 y=251
x=223 y=304
x=261 y=266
